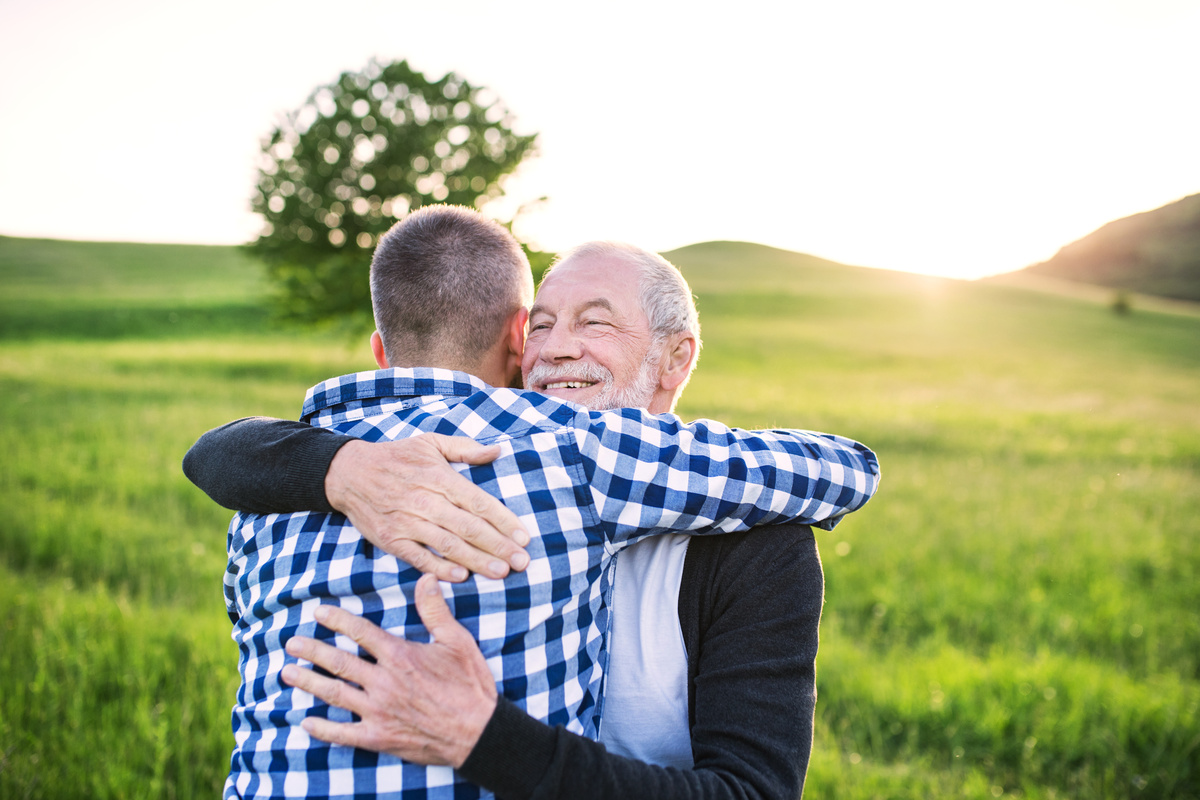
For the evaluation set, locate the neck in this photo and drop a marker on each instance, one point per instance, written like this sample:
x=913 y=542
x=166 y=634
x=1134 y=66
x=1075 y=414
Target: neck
x=499 y=366
x=431 y=358
x=662 y=402
x=494 y=368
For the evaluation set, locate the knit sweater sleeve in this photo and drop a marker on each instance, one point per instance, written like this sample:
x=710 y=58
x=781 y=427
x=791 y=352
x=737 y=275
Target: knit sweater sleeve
x=749 y=607
x=264 y=465
x=752 y=652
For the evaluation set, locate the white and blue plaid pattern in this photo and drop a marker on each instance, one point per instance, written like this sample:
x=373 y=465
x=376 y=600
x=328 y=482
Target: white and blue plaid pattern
x=586 y=484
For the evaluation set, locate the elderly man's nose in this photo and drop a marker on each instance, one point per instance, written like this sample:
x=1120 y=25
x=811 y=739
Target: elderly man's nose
x=561 y=343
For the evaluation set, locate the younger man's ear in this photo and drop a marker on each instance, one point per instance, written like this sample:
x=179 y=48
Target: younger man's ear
x=516 y=332
x=377 y=350
x=515 y=337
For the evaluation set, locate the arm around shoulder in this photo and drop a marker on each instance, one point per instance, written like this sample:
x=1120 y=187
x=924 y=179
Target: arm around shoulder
x=704 y=477
x=264 y=465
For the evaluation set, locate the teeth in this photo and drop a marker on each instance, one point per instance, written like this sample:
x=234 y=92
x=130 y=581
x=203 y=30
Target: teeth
x=569 y=385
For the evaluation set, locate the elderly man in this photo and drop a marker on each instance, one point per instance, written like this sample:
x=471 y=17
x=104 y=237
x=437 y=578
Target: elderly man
x=596 y=336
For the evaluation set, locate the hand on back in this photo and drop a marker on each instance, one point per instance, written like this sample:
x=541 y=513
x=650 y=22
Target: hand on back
x=405 y=498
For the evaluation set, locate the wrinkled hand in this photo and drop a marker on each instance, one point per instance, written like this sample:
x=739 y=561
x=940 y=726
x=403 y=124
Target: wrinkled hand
x=426 y=703
x=405 y=498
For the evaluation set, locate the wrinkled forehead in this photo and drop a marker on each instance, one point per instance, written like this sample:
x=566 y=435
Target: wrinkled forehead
x=591 y=281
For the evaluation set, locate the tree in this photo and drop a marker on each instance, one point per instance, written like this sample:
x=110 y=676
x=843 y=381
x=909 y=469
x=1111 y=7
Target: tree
x=361 y=153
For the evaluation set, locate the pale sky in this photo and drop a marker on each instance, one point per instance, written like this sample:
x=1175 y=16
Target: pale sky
x=940 y=136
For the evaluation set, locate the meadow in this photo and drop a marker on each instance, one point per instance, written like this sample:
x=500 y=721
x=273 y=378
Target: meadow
x=1016 y=614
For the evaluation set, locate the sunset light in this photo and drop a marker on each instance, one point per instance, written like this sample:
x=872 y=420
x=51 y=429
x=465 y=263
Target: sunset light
x=937 y=137
x=599 y=401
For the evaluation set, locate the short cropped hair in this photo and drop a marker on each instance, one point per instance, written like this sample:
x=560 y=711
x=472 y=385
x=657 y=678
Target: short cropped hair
x=444 y=280
x=664 y=295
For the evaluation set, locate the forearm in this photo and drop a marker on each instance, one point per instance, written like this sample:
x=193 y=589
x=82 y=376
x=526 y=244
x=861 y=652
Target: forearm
x=520 y=758
x=264 y=465
x=402 y=496
x=651 y=473
x=749 y=609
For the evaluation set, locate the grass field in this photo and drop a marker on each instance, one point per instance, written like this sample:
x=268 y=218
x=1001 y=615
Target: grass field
x=1017 y=614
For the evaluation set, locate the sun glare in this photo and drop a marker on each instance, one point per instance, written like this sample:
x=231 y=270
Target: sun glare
x=935 y=136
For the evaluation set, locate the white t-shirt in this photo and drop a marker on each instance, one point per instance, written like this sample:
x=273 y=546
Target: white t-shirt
x=645 y=697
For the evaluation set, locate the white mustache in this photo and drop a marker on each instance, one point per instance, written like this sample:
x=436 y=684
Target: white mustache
x=542 y=374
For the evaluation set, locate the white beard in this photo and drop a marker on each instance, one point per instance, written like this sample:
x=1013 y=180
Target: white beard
x=636 y=395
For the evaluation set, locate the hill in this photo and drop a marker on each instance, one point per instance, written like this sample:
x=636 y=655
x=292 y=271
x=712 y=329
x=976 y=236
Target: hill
x=1014 y=614
x=721 y=267
x=113 y=290
x=1156 y=252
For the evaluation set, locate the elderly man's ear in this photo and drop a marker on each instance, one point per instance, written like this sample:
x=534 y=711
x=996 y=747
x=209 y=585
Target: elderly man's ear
x=681 y=355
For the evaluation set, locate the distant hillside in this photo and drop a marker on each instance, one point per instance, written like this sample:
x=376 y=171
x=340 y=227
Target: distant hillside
x=1156 y=252
x=721 y=267
x=92 y=270
x=121 y=290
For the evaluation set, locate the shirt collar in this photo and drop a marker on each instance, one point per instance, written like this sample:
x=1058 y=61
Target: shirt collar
x=394 y=382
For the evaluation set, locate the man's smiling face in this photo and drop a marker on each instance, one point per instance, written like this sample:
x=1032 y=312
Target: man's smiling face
x=589 y=337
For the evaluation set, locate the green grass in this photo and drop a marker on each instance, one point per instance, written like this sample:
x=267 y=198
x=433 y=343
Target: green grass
x=1016 y=614
x=105 y=291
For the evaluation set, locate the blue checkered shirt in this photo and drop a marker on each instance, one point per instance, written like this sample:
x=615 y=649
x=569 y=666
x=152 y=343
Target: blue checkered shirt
x=585 y=483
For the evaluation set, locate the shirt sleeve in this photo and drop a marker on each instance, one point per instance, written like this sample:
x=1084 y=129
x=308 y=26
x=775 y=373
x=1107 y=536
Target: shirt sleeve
x=749 y=606
x=264 y=466
x=651 y=474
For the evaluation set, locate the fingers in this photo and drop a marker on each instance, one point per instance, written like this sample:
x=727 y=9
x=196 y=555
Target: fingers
x=435 y=614
x=425 y=561
x=367 y=635
x=331 y=659
x=451 y=550
x=424 y=702
x=469 y=497
x=468 y=514
x=445 y=631
x=334 y=692
x=460 y=448
x=472 y=528
x=350 y=734
x=405 y=493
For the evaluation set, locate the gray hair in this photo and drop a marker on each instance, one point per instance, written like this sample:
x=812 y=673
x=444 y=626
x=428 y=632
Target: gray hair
x=444 y=281
x=664 y=295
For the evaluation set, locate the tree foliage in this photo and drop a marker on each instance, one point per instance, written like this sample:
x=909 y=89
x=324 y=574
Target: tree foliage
x=361 y=153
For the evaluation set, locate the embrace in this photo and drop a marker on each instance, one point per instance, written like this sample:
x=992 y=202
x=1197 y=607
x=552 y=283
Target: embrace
x=628 y=604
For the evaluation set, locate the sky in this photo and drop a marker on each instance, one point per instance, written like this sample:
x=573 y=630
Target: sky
x=946 y=137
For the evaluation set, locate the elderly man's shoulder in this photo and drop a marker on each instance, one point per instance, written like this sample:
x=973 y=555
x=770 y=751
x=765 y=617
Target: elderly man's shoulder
x=737 y=567
x=521 y=405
